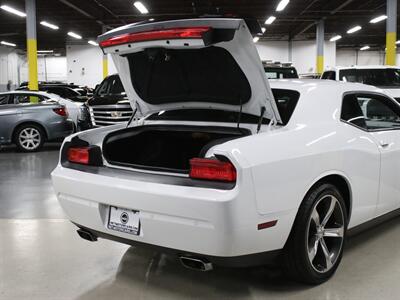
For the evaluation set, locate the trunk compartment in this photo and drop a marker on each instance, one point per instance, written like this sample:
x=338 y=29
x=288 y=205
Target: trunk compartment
x=165 y=148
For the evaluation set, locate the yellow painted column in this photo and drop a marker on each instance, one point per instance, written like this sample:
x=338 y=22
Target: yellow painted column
x=105 y=66
x=320 y=40
x=391 y=32
x=31 y=47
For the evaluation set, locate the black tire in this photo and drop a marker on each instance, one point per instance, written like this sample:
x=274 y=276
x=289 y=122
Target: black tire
x=299 y=262
x=35 y=144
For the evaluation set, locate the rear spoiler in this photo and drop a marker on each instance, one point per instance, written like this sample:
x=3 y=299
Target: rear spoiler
x=209 y=30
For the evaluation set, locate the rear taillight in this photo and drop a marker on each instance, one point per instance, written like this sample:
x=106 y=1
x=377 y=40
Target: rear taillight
x=79 y=155
x=165 y=34
x=61 y=111
x=212 y=169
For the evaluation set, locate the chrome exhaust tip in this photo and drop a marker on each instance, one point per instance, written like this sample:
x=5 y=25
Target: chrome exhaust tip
x=197 y=264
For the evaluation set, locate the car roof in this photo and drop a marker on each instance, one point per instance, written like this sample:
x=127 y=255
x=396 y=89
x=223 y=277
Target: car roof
x=306 y=85
x=39 y=93
x=362 y=67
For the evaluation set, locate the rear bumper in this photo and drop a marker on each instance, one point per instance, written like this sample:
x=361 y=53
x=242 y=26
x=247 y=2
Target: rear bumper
x=60 y=129
x=207 y=222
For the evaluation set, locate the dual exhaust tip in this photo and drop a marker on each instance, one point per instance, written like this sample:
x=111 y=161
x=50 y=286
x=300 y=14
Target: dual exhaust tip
x=193 y=263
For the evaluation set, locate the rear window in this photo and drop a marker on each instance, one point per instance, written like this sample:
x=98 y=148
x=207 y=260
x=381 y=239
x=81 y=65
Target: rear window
x=183 y=75
x=286 y=101
x=279 y=73
x=376 y=77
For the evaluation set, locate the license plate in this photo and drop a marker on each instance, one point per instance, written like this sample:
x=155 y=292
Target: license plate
x=124 y=220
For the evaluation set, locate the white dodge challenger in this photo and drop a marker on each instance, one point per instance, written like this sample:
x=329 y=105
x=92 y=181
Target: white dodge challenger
x=224 y=168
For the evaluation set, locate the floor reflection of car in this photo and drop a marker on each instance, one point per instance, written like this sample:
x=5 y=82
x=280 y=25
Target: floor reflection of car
x=30 y=125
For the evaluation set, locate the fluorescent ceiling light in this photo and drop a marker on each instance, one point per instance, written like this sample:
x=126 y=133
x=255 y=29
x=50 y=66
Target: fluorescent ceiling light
x=93 y=43
x=13 y=11
x=281 y=6
x=256 y=39
x=354 y=29
x=47 y=24
x=8 y=44
x=335 y=38
x=263 y=29
x=270 y=20
x=398 y=42
x=151 y=20
x=378 y=19
x=140 y=7
x=45 y=51
x=74 y=35
x=364 y=48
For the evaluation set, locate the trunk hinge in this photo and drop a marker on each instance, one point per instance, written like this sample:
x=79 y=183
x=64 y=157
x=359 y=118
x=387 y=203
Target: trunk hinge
x=263 y=109
x=131 y=119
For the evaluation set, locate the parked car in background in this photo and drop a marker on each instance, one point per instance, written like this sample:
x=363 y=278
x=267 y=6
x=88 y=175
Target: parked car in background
x=384 y=77
x=245 y=169
x=278 y=70
x=109 y=104
x=78 y=112
x=30 y=125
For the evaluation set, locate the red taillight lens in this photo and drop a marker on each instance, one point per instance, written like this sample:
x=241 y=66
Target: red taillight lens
x=212 y=169
x=165 y=34
x=62 y=111
x=79 y=155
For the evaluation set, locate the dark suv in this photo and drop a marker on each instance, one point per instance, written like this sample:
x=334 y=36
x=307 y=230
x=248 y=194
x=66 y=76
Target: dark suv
x=109 y=104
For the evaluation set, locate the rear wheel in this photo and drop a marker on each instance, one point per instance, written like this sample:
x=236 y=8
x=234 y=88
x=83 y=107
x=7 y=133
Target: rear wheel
x=315 y=246
x=29 y=138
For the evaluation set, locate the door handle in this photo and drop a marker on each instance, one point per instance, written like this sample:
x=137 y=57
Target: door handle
x=384 y=144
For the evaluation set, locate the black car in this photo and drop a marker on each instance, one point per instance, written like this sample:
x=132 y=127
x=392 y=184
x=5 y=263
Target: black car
x=109 y=104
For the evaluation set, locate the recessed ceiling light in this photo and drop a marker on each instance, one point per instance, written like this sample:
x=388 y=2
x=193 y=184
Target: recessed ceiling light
x=93 y=43
x=364 y=48
x=140 y=7
x=378 y=19
x=263 y=29
x=256 y=39
x=281 y=6
x=354 y=29
x=74 y=35
x=13 y=11
x=335 y=38
x=8 y=44
x=270 y=20
x=47 y=24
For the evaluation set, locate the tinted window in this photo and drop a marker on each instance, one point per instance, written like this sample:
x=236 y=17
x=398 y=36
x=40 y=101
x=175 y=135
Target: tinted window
x=116 y=86
x=286 y=100
x=279 y=73
x=4 y=99
x=377 y=77
x=103 y=88
x=370 y=111
x=62 y=92
x=331 y=75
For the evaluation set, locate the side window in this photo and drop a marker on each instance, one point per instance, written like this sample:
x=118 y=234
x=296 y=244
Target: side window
x=370 y=111
x=329 y=75
x=4 y=99
x=26 y=98
x=103 y=89
x=116 y=87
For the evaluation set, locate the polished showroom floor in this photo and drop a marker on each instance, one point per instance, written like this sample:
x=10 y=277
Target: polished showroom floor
x=41 y=257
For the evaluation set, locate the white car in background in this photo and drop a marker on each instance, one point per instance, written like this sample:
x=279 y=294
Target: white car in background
x=226 y=168
x=73 y=108
x=384 y=77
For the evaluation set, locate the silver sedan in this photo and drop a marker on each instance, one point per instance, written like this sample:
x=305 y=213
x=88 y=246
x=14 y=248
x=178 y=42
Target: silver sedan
x=30 y=125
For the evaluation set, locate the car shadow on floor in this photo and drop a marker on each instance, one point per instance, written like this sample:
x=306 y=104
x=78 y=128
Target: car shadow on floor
x=143 y=274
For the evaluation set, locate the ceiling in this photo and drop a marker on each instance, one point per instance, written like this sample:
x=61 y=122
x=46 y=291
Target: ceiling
x=296 y=22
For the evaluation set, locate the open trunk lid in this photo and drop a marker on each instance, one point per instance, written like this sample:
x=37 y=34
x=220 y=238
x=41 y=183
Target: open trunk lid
x=193 y=63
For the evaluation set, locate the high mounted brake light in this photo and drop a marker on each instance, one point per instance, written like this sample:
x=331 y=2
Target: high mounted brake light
x=212 y=169
x=163 y=34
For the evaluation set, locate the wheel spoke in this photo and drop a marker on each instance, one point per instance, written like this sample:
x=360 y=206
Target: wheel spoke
x=334 y=232
x=312 y=252
x=315 y=217
x=329 y=212
x=327 y=254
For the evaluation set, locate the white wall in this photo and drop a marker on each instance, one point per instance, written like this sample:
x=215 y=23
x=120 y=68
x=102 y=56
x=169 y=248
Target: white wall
x=303 y=54
x=85 y=65
x=347 y=58
x=50 y=68
x=8 y=67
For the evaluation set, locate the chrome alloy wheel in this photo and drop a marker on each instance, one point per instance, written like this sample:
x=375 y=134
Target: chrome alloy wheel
x=30 y=138
x=325 y=233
